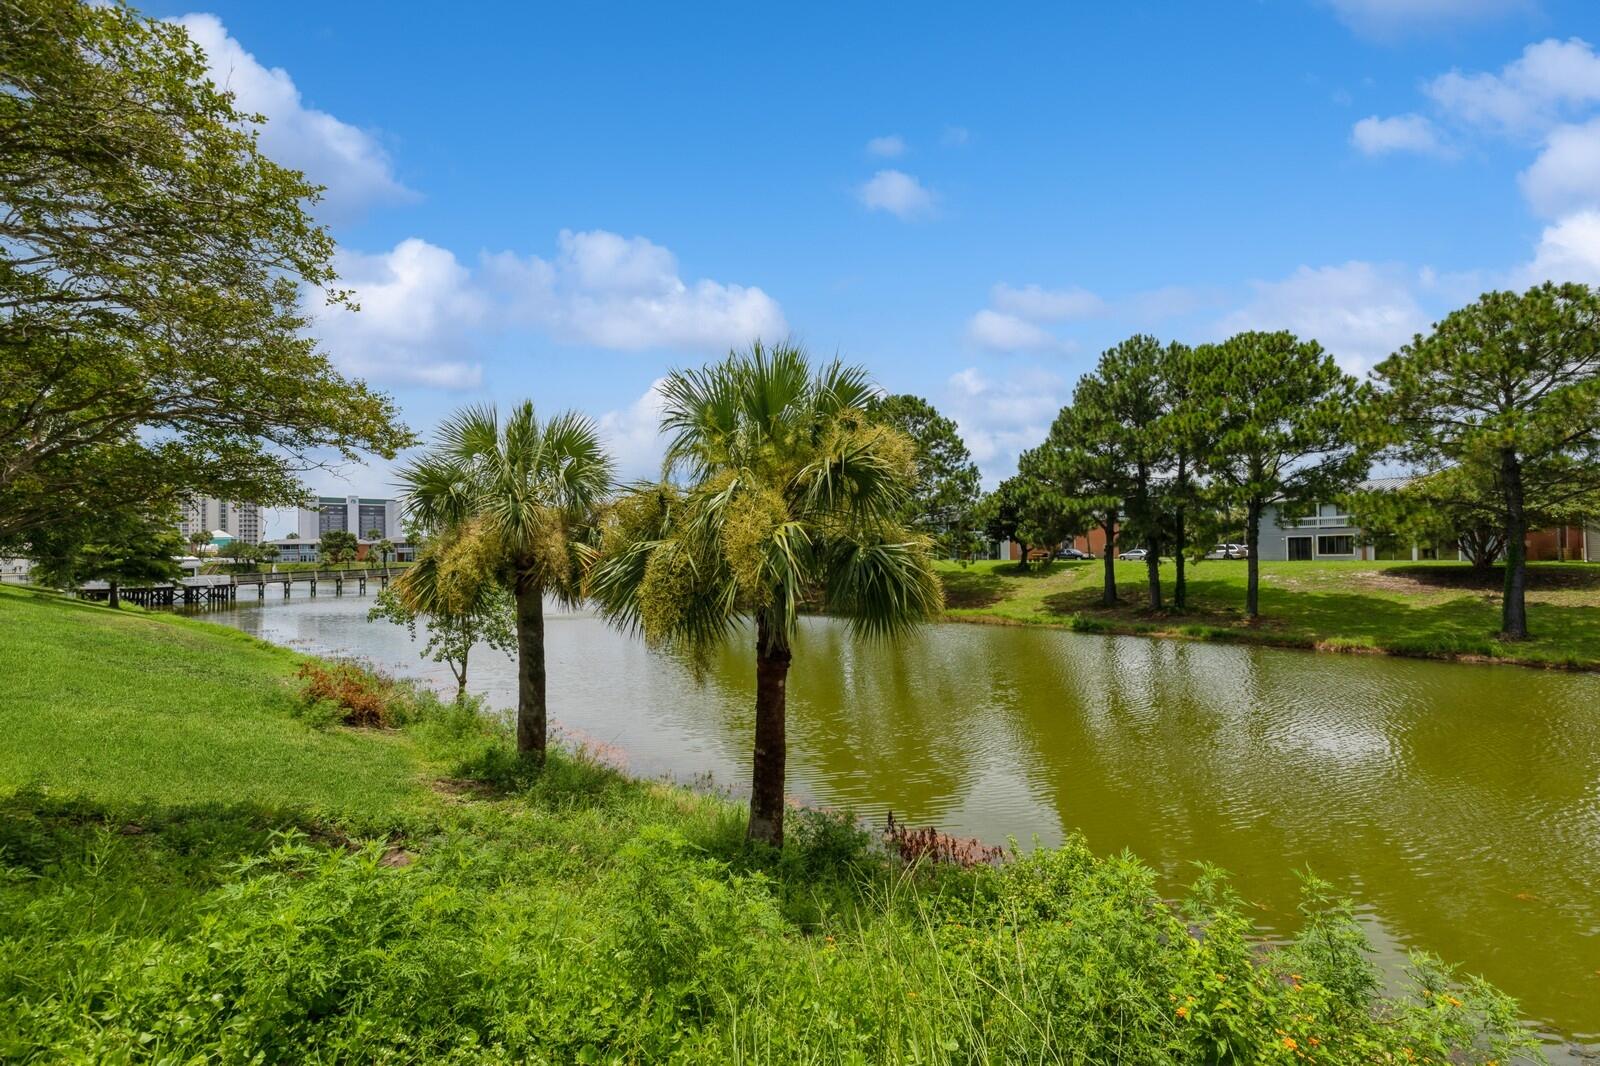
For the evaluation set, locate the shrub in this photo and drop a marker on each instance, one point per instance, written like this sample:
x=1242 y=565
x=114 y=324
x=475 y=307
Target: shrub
x=362 y=696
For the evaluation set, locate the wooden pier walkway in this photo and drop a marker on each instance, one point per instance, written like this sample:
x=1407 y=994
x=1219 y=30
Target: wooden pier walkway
x=222 y=590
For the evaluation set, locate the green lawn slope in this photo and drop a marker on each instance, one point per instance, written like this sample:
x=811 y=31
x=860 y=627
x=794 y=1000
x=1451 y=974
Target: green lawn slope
x=193 y=871
x=1430 y=609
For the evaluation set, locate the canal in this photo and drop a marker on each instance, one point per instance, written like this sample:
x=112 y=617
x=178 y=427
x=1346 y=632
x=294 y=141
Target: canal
x=1459 y=805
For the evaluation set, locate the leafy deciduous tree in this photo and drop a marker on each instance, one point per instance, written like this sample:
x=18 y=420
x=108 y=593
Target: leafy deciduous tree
x=151 y=273
x=117 y=547
x=339 y=546
x=474 y=608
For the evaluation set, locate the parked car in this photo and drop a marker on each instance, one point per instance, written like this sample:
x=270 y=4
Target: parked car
x=1134 y=555
x=1073 y=553
x=1227 y=551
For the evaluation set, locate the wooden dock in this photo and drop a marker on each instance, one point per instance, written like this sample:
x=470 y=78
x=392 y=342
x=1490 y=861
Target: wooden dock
x=220 y=591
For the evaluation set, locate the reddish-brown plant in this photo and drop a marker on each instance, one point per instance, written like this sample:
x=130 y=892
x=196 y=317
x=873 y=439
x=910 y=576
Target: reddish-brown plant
x=363 y=697
x=929 y=845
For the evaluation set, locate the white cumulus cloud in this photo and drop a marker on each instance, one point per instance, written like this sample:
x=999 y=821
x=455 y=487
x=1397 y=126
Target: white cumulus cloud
x=633 y=435
x=626 y=293
x=896 y=192
x=348 y=160
x=1039 y=304
x=1000 y=332
x=1551 y=78
x=1566 y=175
x=419 y=311
x=423 y=312
x=888 y=146
x=1568 y=250
x=1001 y=416
x=1358 y=311
x=1398 y=133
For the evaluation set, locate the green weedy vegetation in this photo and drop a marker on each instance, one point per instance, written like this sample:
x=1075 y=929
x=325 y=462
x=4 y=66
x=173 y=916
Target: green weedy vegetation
x=194 y=867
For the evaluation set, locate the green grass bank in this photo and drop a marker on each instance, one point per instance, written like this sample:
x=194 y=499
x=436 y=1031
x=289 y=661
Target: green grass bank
x=1436 y=610
x=195 y=867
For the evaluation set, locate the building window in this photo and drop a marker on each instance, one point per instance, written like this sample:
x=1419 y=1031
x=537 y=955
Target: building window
x=1299 y=548
x=331 y=517
x=1341 y=545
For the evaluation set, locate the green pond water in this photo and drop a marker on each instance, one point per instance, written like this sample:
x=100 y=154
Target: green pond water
x=1459 y=805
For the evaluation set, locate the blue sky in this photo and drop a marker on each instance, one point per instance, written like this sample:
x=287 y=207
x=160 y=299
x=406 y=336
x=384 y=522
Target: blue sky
x=561 y=202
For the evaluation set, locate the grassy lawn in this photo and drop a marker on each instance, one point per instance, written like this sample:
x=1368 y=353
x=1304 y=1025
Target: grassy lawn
x=192 y=869
x=137 y=708
x=1407 y=608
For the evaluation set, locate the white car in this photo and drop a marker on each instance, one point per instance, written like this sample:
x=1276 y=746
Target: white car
x=1134 y=555
x=1227 y=551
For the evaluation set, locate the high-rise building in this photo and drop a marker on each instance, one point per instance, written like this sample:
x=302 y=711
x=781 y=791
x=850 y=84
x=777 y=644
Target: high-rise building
x=353 y=514
x=206 y=514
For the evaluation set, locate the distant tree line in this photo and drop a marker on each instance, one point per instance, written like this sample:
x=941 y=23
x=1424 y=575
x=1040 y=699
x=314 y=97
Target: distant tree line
x=1170 y=446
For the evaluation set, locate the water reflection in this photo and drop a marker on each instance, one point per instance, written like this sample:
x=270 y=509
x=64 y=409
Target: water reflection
x=1460 y=805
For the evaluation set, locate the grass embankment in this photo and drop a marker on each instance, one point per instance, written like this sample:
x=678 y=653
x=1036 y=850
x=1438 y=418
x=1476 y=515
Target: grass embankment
x=1441 y=610
x=191 y=870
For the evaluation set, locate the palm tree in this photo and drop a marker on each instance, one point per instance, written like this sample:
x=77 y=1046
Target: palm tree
x=791 y=499
x=517 y=498
x=384 y=548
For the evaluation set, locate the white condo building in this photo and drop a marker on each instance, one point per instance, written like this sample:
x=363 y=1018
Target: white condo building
x=206 y=515
x=352 y=514
x=371 y=520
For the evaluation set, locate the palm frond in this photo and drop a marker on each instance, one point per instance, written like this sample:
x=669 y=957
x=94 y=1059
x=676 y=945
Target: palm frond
x=883 y=587
x=863 y=473
x=437 y=491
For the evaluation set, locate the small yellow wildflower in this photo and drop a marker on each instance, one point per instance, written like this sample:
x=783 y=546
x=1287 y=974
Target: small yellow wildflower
x=1289 y=1043
x=1183 y=1012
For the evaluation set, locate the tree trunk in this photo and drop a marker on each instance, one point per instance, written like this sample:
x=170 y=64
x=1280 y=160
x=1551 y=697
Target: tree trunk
x=1152 y=539
x=530 y=673
x=1252 y=543
x=1514 y=608
x=113 y=595
x=771 y=752
x=1108 y=525
x=1180 y=544
x=1022 y=561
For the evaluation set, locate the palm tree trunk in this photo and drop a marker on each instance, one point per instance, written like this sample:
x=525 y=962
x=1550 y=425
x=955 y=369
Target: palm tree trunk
x=530 y=673
x=767 y=772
